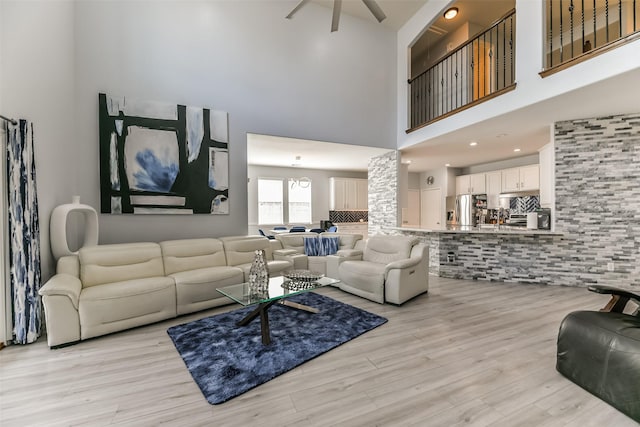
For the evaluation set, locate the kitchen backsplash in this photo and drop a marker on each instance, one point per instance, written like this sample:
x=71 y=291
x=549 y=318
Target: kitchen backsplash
x=348 y=216
x=524 y=204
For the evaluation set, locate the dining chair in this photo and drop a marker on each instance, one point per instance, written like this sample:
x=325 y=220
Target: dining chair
x=262 y=233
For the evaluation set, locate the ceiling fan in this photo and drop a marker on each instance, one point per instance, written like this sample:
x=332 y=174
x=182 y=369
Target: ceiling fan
x=337 y=5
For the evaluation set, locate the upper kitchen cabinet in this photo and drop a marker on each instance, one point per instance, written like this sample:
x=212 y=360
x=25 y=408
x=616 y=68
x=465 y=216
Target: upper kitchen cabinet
x=547 y=176
x=524 y=178
x=494 y=188
x=348 y=194
x=471 y=184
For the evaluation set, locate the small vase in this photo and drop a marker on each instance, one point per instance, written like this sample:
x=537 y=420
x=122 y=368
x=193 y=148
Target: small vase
x=259 y=274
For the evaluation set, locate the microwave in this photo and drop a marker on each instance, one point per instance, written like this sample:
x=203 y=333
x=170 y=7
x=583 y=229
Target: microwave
x=544 y=219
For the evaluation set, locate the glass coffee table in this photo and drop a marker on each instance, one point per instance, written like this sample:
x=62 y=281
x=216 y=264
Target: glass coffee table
x=279 y=290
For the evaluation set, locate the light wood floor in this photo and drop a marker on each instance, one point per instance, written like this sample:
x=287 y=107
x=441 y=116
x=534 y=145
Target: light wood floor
x=468 y=353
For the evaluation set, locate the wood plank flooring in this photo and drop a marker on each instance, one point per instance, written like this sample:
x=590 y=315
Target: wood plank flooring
x=468 y=353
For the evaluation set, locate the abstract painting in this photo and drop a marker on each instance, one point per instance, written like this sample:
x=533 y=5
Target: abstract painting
x=158 y=158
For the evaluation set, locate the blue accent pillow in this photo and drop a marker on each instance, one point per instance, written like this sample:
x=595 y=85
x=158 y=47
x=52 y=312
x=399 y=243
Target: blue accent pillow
x=311 y=246
x=328 y=246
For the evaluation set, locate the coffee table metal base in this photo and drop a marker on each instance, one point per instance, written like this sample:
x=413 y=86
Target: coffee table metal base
x=262 y=311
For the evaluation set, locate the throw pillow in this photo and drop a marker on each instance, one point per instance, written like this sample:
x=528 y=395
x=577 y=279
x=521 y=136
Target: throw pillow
x=311 y=246
x=328 y=245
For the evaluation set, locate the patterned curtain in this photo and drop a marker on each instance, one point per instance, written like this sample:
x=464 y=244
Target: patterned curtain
x=24 y=233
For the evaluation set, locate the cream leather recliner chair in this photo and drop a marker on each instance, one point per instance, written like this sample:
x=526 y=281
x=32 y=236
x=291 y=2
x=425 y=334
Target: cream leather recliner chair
x=392 y=269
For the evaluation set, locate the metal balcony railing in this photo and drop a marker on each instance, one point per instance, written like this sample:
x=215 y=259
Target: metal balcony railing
x=577 y=27
x=480 y=69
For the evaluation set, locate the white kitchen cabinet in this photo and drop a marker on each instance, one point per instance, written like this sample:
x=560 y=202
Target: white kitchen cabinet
x=362 y=193
x=524 y=178
x=529 y=177
x=348 y=194
x=547 y=176
x=471 y=184
x=494 y=188
x=511 y=179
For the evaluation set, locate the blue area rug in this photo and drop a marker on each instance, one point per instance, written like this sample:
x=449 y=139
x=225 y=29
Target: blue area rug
x=226 y=360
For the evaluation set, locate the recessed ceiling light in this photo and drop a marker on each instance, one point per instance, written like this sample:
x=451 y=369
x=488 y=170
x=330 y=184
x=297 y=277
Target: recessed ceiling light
x=451 y=13
x=517 y=150
x=473 y=143
x=447 y=164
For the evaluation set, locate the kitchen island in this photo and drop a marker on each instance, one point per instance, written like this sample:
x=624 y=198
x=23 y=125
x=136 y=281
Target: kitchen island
x=502 y=229
x=509 y=254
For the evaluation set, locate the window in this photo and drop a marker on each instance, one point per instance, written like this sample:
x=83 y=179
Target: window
x=299 y=200
x=270 y=201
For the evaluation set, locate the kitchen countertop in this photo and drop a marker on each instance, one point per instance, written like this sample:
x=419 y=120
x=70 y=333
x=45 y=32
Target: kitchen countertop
x=476 y=230
x=352 y=223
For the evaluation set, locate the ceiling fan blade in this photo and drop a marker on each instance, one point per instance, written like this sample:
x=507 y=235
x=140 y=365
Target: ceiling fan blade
x=337 y=5
x=297 y=8
x=375 y=9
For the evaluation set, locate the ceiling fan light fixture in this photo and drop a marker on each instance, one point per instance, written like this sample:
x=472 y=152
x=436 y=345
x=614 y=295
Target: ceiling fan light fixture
x=373 y=7
x=451 y=13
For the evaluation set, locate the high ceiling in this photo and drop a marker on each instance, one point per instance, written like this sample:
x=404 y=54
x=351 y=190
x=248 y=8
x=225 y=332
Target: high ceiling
x=398 y=11
x=527 y=129
x=267 y=150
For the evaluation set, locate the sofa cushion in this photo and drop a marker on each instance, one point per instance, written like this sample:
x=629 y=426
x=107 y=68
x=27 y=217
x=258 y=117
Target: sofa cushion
x=386 y=249
x=192 y=254
x=362 y=274
x=120 y=305
x=294 y=240
x=347 y=241
x=241 y=249
x=119 y=262
x=197 y=289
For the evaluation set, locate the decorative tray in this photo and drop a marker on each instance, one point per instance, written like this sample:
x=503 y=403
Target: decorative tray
x=298 y=285
x=302 y=275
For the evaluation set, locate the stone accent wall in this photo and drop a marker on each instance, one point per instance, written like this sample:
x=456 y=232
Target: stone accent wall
x=383 y=192
x=597 y=214
x=598 y=199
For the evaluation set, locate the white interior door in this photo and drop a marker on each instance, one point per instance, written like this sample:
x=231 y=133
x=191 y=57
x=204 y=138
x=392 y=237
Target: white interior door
x=431 y=209
x=412 y=217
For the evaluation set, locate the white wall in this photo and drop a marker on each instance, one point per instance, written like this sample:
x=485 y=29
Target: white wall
x=273 y=76
x=37 y=83
x=531 y=88
x=320 y=189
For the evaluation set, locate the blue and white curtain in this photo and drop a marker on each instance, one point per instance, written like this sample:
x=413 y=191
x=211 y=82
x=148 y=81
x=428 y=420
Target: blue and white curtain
x=24 y=233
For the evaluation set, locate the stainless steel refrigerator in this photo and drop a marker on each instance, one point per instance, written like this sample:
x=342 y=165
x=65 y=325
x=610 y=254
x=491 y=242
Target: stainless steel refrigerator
x=461 y=210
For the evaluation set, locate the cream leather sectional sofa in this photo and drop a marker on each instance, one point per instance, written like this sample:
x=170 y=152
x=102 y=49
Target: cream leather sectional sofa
x=108 y=288
x=292 y=249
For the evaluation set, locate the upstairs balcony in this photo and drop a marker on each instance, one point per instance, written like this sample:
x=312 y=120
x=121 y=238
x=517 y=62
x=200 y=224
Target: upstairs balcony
x=484 y=66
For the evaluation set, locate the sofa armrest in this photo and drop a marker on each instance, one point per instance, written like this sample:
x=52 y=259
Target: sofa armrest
x=350 y=253
x=402 y=264
x=60 y=297
x=619 y=297
x=64 y=285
